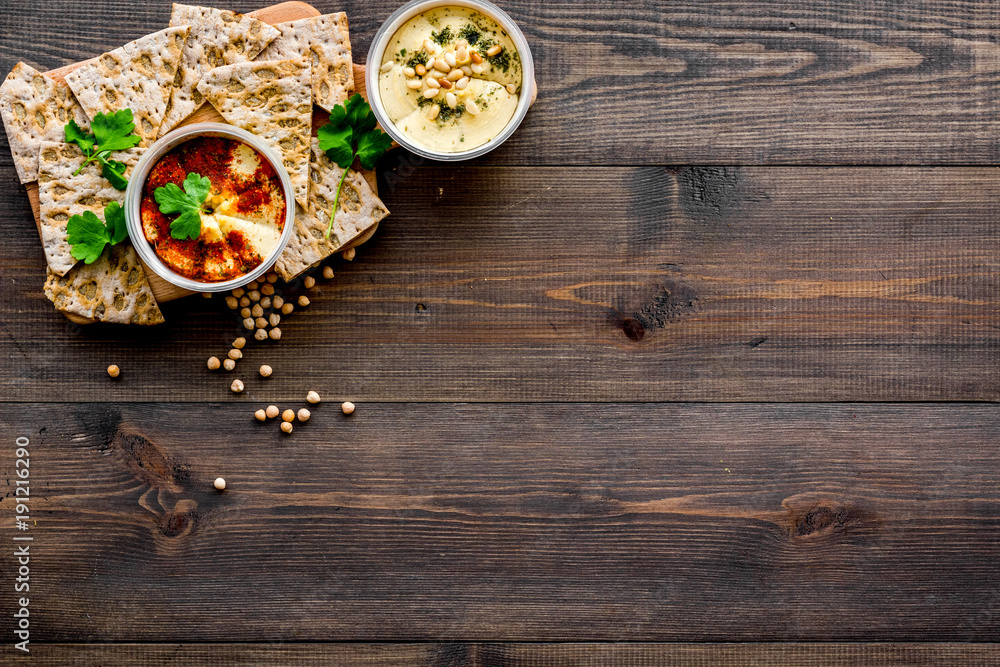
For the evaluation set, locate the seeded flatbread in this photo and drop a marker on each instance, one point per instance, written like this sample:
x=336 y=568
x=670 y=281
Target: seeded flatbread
x=35 y=108
x=325 y=41
x=138 y=76
x=273 y=100
x=112 y=289
x=358 y=209
x=62 y=195
x=217 y=38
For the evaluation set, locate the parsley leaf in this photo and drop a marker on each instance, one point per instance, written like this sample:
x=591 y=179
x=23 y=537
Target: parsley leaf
x=112 y=132
x=188 y=202
x=350 y=134
x=87 y=235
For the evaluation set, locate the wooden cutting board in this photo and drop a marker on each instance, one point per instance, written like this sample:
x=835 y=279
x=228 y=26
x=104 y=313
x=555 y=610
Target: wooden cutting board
x=286 y=11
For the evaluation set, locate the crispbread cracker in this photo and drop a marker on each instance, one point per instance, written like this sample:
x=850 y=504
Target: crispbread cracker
x=35 y=108
x=359 y=209
x=273 y=100
x=327 y=44
x=112 y=289
x=138 y=76
x=62 y=195
x=218 y=37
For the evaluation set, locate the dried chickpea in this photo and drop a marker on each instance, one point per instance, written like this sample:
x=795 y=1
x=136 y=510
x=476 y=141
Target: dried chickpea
x=240 y=343
x=265 y=302
x=288 y=415
x=252 y=285
x=260 y=334
x=303 y=301
x=257 y=310
x=275 y=333
x=286 y=427
x=237 y=386
x=248 y=323
x=303 y=415
x=328 y=272
x=228 y=364
x=267 y=289
x=254 y=295
x=113 y=371
x=272 y=411
x=309 y=282
x=265 y=371
x=312 y=397
x=238 y=292
x=272 y=277
x=244 y=302
x=274 y=318
x=235 y=354
x=278 y=302
x=349 y=254
x=287 y=309
x=261 y=323
x=347 y=407
x=245 y=313
x=214 y=363
x=232 y=302
x=260 y=415
x=219 y=484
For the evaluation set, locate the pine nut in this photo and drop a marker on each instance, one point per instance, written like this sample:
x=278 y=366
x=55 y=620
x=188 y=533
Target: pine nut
x=387 y=66
x=415 y=84
x=462 y=83
x=512 y=89
x=433 y=111
x=445 y=83
x=472 y=108
x=432 y=82
x=431 y=92
x=477 y=68
x=476 y=58
x=420 y=69
x=409 y=72
x=429 y=46
x=442 y=65
x=455 y=75
x=466 y=70
x=494 y=50
x=462 y=55
x=450 y=59
x=451 y=100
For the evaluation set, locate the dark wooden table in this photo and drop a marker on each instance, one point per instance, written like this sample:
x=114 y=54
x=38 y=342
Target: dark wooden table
x=700 y=367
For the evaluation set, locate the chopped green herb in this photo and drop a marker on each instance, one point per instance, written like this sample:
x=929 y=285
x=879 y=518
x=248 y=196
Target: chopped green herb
x=442 y=36
x=469 y=33
x=418 y=58
x=500 y=61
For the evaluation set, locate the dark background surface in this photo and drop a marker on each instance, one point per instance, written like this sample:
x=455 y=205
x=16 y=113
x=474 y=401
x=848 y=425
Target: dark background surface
x=706 y=352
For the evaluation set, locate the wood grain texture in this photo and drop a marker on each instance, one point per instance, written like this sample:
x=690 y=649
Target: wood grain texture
x=700 y=82
x=464 y=522
x=564 y=284
x=524 y=655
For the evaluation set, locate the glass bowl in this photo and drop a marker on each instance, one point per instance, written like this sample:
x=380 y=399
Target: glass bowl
x=133 y=199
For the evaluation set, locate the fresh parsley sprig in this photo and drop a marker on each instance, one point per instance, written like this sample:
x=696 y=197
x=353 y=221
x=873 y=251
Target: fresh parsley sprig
x=351 y=134
x=87 y=235
x=112 y=132
x=189 y=202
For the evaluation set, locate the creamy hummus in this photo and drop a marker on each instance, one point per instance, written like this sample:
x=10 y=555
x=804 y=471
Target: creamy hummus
x=450 y=79
x=244 y=212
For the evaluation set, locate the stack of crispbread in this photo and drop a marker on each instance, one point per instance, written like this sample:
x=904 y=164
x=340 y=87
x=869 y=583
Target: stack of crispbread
x=262 y=78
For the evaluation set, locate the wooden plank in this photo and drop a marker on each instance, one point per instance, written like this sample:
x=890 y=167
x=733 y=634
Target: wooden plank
x=531 y=522
x=496 y=284
x=525 y=655
x=769 y=82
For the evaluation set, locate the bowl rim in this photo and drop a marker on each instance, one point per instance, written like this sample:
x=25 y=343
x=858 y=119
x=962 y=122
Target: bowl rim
x=137 y=181
x=377 y=50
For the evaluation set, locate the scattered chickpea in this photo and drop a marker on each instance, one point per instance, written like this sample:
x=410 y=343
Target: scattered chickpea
x=494 y=50
x=237 y=386
x=272 y=411
x=235 y=354
x=265 y=302
x=252 y=285
x=113 y=371
x=240 y=343
x=260 y=334
x=245 y=313
x=228 y=364
x=267 y=289
x=272 y=277
x=287 y=309
x=303 y=301
x=206 y=295
x=214 y=363
x=232 y=302
x=265 y=371
x=309 y=282
x=244 y=302
x=349 y=254
x=312 y=397
x=304 y=415
x=275 y=333
x=219 y=484
x=347 y=407
x=261 y=323
x=238 y=292
x=260 y=415
x=257 y=310
x=286 y=427
x=248 y=323
x=328 y=272
x=254 y=295
x=278 y=302
x=288 y=415
x=274 y=318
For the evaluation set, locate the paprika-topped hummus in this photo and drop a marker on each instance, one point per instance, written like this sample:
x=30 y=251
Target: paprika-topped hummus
x=450 y=79
x=244 y=212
